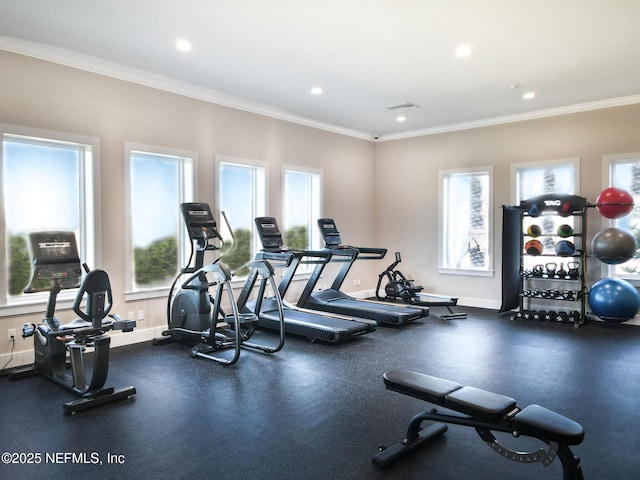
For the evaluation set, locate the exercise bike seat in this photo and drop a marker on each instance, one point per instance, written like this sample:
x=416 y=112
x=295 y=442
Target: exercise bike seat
x=80 y=323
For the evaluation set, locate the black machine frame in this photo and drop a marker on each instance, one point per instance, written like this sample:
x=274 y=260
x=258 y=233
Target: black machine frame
x=486 y=412
x=333 y=300
x=315 y=325
x=195 y=315
x=56 y=266
x=398 y=288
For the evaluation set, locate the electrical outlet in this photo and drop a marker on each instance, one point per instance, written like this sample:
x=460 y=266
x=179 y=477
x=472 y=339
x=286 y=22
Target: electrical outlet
x=140 y=314
x=12 y=334
x=130 y=316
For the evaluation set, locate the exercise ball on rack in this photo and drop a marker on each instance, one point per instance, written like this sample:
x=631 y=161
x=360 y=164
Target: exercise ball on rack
x=613 y=245
x=614 y=300
x=614 y=203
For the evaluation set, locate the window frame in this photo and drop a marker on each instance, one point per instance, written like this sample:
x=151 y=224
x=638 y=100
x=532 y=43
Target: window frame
x=245 y=163
x=187 y=167
x=488 y=270
x=314 y=241
x=90 y=236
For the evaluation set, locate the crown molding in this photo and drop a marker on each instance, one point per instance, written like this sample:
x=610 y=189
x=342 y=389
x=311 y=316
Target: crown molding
x=520 y=117
x=140 y=77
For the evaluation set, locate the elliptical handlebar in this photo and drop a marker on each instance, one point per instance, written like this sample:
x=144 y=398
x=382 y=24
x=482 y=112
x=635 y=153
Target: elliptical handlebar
x=220 y=271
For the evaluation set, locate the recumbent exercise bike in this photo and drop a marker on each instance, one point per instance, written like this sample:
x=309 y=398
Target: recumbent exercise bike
x=399 y=288
x=56 y=266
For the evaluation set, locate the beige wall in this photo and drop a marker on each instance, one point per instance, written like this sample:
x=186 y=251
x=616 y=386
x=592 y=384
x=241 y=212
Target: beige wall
x=381 y=194
x=407 y=173
x=44 y=95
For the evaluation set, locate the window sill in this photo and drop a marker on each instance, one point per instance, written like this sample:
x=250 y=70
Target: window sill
x=36 y=306
x=146 y=294
x=468 y=272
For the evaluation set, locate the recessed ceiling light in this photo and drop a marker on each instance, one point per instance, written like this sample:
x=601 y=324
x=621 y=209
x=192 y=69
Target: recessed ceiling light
x=316 y=90
x=183 y=45
x=529 y=95
x=463 y=51
x=401 y=118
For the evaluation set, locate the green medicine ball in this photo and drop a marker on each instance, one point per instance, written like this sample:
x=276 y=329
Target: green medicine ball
x=565 y=230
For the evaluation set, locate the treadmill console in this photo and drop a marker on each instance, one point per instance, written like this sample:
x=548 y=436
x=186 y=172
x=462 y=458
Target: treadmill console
x=269 y=234
x=330 y=233
x=55 y=256
x=199 y=221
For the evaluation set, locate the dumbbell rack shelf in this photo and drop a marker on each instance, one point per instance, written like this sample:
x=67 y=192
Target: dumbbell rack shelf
x=552 y=285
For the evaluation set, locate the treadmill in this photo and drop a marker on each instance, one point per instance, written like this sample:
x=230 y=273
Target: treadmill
x=334 y=301
x=314 y=325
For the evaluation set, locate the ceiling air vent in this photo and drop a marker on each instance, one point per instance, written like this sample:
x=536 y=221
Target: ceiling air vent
x=402 y=106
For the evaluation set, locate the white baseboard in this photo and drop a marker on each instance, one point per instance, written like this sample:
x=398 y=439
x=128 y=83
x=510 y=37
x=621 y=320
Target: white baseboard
x=25 y=357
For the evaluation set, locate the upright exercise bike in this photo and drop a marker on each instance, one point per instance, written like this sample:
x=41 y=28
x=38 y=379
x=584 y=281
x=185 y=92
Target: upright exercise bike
x=195 y=315
x=56 y=266
x=399 y=288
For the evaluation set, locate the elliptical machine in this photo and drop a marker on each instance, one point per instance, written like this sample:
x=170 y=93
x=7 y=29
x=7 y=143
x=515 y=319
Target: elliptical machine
x=195 y=316
x=56 y=266
x=400 y=288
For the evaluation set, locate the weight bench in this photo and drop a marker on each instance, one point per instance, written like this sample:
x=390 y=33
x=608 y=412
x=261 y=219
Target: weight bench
x=486 y=412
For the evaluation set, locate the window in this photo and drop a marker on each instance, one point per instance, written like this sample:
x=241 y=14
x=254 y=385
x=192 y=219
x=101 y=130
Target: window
x=466 y=221
x=242 y=195
x=623 y=171
x=160 y=180
x=302 y=200
x=47 y=184
x=534 y=179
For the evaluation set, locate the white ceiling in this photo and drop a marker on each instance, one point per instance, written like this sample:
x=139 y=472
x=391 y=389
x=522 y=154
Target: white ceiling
x=367 y=55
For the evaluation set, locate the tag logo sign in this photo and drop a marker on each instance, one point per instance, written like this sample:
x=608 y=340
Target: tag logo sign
x=552 y=203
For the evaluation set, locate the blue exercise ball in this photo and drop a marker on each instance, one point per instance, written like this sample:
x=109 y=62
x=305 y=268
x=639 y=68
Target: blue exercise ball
x=614 y=300
x=614 y=245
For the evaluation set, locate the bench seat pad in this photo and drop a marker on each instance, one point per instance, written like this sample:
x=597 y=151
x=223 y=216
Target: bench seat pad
x=418 y=385
x=543 y=423
x=480 y=403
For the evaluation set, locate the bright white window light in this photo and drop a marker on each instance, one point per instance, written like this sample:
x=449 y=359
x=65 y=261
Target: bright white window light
x=401 y=118
x=183 y=45
x=529 y=95
x=316 y=91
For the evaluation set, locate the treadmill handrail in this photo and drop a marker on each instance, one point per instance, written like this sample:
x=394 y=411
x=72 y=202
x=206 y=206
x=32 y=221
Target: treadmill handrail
x=362 y=253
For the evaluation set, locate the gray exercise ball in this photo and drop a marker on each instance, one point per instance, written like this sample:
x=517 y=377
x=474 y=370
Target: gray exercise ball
x=614 y=245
